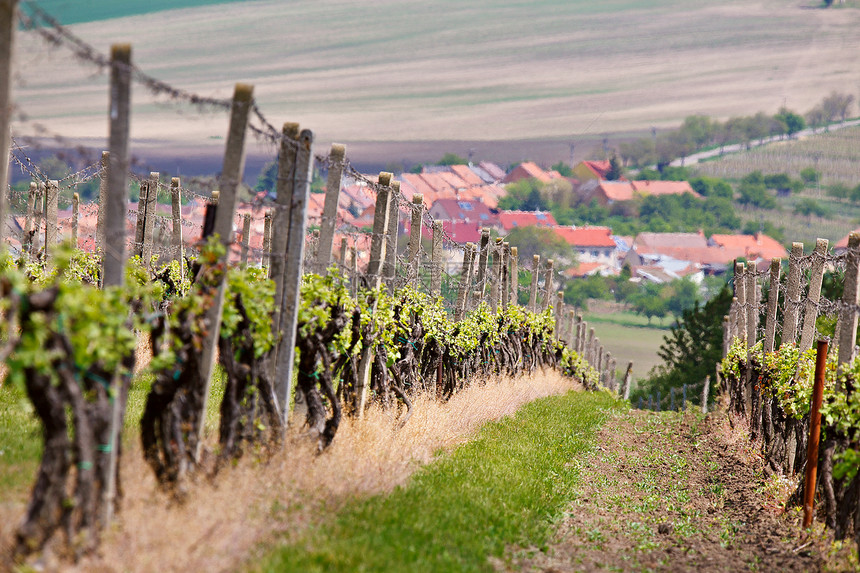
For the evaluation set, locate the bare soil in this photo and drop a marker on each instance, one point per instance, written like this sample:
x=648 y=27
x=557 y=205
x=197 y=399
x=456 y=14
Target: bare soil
x=674 y=492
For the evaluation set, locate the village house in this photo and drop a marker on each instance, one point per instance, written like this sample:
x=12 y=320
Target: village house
x=510 y=220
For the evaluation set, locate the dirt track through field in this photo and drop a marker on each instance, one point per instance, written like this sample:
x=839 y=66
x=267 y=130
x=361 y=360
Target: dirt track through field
x=671 y=492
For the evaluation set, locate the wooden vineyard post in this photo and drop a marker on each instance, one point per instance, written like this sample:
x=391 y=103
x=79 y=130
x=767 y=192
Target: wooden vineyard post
x=571 y=329
x=515 y=275
x=792 y=294
x=610 y=371
x=534 y=286
x=847 y=331
x=436 y=265
x=141 y=220
x=149 y=218
x=8 y=24
x=482 y=267
x=103 y=199
x=113 y=247
x=505 y=294
x=415 y=240
x=772 y=306
x=814 y=434
x=465 y=281
x=548 y=285
x=589 y=347
x=576 y=333
x=295 y=254
x=705 y=393
x=76 y=201
x=52 y=197
x=740 y=294
x=810 y=312
x=176 y=212
x=598 y=353
x=231 y=176
x=342 y=257
x=374 y=268
x=628 y=379
x=329 y=216
x=246 y=238
x=281 y=227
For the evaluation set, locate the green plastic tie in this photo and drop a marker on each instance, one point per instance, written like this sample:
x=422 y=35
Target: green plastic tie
x=106 y=448
x=84 y=466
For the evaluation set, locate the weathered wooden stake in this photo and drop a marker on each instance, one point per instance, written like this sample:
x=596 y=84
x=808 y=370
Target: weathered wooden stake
x=628 y=379
x=792 y=295
x=495 y=287
x=534 y=286
x=705 y=393
x=741 y=310
x=506 y=275
x=436 y=256
x=752 y=294
x=514 y=275
x=772 y=305
x=465 y=281
x=27 y=245
x=559 y=314
x=149 y=220
x=231 y=176
x=353 y=275
x=482 y=265
x=391 y=234
x=810 y=313
x=140 y=225
x=329 y=216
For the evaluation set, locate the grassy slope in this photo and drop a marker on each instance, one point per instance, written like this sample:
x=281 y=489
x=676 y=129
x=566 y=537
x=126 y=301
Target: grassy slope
x=504 y=487
x=629 y=338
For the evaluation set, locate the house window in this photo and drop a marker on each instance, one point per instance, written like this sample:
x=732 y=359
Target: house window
x=484 y=217
x=464 y=206
x=581 y=251
x=595 y=253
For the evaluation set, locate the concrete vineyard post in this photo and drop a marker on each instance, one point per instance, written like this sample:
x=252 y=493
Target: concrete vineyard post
x=329 y=215
x=415 y=239
x=559 y=314
x=137 y=249
x=344 y=246
x=705 y=391
x=577 y=334
x=534 y=286
x=483 y=258
x=847 y=331
x=792 y=294
x=103 y=199
x=810 y=312
x=610 y=371
x=8 y=24
x=548 y=285
x=281 y=219
x=231 y=176
x=390 y=266
x=176 y=212
x=589 y=355
x=436 y=256
x=514 y=273
x=76 y=201
x=571 y=329
x=27 y=246
x=752 y=302
x=465 y=282
x=628 y=379
x=113 y=247
x=52 y=197
x=496 y=287
x=267 y=240
x=246 y=236
x=740 y=294
x=295 y=254
x=377 y=260
x=149 y=219
x=772 y=306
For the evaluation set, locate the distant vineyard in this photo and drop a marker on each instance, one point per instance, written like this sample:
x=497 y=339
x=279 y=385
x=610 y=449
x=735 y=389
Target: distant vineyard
x=835 y=155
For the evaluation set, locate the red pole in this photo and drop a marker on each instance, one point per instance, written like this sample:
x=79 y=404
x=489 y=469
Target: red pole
x=814 y=434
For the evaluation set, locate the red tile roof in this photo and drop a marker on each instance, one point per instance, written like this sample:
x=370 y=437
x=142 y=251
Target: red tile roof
x=600 y=168
x=616 y=190
x=527 y=170
x=467 y=174
x=512 y=219
x=439 y=184
x=758 y=246
x=492 y=170
x=586 y=236
x=663 y=188
x=584 y=269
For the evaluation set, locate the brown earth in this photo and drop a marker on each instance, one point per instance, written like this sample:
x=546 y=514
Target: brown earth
x=675 y=492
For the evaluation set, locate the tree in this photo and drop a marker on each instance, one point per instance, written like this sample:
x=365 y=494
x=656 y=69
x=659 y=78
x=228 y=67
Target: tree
x=809 y=208
x=525 y=195
x=531 y=241
x=563 y=169
x=837 y=105
x=809 y=175
x=838 y=190
x=452 y=159
x=793 y=121
x=578 y=291
x=681 y=295
x=268 y=178
x=649 y=301
x=753 y=191
x=615 y=172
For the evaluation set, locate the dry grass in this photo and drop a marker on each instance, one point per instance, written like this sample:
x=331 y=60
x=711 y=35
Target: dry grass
x=258 y=502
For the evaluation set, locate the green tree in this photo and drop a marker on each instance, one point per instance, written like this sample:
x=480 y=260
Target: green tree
x=839 y=190
x=563 y=169
x=541 y=241
x=809 y=175
x=578 y=291
x=809 y=208
x=793 y=121
x=452 y=159
x=615 y=171
x=753 y=191
x=649 y=301
x=268 y=177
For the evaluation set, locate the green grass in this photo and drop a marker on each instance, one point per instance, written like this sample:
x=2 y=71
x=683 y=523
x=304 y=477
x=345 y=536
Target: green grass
x=629 y=338
x=505 y=487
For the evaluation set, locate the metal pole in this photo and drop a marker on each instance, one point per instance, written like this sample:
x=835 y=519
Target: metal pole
x=814 y=434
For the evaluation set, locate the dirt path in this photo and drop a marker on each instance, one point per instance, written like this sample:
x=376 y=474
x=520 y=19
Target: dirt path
x=672 y=492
